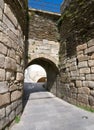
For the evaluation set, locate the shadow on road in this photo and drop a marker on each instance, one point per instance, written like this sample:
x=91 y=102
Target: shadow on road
x=30 y=88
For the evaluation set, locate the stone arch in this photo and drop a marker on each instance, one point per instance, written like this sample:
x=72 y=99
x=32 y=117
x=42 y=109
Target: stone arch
x=50 y=68
x=50 y=58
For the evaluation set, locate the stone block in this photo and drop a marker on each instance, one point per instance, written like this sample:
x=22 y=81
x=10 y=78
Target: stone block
x=4 y=122
x=2 y=61
x=8 y=110
x=89 y=50
x=82 y=64
x=10 y=25
x=12 y=115
x=85 y=83
x=84 y=70
x=14 y=38
x=92 y=93
x=2 y=74
x=91 y=63
x=8 y=75
x=13 y=87
x=84 y=90
x=79 y=53
x=19 y=101
x=10 y=14
x=19 y=76
x=3 y=87
x=72 y=84
x=19 y=68
x=14 y=105
x=2 y=4
x=91 y=84
x=4 y=99
x=11 y=53
x=10 y=64
x=16 y=95
x=82 y=98
x=73 y=68
x=92 y=69
x=82 y=57
x=4 y=38
x=2 y=113
x=18 y=60
x=90 y=43
x=78 y=83
x=91 y=100
x=4 y=49
x=90 y=77
x=81 y=47
x=92 y=57
x=73 y=90
x=19 y=109
x=1 y=13
x=74 y=73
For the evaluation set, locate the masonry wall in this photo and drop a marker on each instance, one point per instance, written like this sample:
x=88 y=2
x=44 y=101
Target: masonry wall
x=43 y=41
x=12 y=38
x=43 y=35
x=77 y=52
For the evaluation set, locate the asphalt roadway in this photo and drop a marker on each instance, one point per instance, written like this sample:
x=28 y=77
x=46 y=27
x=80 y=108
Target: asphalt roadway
x=44 y=111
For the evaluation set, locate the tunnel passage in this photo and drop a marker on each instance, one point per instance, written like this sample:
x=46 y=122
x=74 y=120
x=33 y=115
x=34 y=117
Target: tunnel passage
x=50 y=68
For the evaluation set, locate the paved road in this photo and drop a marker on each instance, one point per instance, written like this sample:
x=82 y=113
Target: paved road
x=44 y=111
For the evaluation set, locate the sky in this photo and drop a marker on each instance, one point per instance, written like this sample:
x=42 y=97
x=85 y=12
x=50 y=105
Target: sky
x=46 y=5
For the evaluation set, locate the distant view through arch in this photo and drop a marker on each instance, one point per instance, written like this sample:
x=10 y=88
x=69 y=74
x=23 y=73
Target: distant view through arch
x=34 y=73
x=50 y=69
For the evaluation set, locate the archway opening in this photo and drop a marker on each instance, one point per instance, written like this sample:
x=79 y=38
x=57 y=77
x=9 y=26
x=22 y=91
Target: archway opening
x=51 y=71
x=35 y=76
x=45 y=80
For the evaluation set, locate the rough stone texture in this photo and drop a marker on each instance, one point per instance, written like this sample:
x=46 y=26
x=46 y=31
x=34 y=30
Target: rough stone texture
x=37 y=49
x=2 y=74
x=76 y=27
x=4 y=99
x=15 y=95
x=19 y=77
x=43 y=44
x=10 y=64
x=43 y=36
x=13 y=33
x=8 y=110
x=42 y=25
x=2 y=113
x=2 y=61
x=3 y=87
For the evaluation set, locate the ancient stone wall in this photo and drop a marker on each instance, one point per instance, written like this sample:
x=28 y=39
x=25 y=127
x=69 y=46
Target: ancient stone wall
x=43 y=35
x=76 y=27
x=12 y=37
x=42 y=25
x=43 y=42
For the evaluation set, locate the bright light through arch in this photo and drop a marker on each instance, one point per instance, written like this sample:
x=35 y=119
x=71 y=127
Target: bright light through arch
x=33 y=73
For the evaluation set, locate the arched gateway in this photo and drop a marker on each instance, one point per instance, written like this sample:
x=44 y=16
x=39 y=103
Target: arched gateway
x=50 y=68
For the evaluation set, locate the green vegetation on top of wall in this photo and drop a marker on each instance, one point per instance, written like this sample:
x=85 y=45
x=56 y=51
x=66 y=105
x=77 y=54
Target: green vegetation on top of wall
x=76 y=25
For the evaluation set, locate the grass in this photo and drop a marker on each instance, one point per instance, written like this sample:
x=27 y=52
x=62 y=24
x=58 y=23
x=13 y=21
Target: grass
x=86 y=108
x=17 y=119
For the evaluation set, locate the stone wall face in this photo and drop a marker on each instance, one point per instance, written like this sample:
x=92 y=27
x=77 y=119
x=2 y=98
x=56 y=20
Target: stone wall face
x=11 y=64
x=43 y=48
x=43 y=36
x=77 y=76
x=42 y=25
x=43 y=43
x=77 y=52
